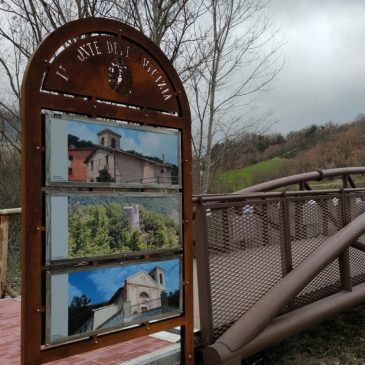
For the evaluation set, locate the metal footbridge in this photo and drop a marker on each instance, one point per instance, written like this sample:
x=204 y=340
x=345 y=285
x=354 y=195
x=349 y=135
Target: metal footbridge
x=272 y=263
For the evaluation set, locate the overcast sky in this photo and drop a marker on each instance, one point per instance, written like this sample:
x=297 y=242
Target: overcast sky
x=324 y=77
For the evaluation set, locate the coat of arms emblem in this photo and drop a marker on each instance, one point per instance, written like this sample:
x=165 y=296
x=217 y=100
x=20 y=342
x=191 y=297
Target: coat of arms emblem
x=119 y=76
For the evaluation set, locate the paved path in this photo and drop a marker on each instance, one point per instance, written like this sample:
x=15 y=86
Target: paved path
x=111 y=355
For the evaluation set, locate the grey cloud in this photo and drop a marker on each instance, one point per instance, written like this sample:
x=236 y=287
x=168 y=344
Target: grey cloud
x=325 y=74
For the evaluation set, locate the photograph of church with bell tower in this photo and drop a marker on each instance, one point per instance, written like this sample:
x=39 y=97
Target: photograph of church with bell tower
x=121 y=155
x=136 y=293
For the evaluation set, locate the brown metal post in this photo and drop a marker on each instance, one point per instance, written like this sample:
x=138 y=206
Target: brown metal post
x=351 y=181
x=4 y=242
x=31 y=304
x=298 y=221
x=344 y=258
x=227 y=230
x=345 y=270
x=323 y=203
x=286 y=251
x=345 y=218
x=359 y=245
x=188 y=327
x=202 y=256
x=265 y=225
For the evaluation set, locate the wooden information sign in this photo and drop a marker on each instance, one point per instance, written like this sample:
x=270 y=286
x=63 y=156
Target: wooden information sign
x=106 y=193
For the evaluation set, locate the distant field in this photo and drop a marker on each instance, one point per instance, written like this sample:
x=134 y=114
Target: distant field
x=241 y=178
x=336 y=184
x=267 y=170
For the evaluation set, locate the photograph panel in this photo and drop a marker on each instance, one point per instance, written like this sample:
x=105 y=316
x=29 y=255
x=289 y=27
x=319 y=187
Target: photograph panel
x=82 y=225
x=107 y=298
x=100 y=153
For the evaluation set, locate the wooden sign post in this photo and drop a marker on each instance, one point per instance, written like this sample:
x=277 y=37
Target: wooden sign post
x=106 y=193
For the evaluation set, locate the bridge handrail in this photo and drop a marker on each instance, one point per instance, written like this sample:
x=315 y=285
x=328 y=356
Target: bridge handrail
x=10 y=211
x=4 y=241
x=304 y=178
x=263 y=312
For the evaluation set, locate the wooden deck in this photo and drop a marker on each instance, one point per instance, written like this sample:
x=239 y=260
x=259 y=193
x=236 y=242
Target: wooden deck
x=111 y=355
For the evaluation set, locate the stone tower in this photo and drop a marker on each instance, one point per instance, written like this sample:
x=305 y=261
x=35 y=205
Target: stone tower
x=110 y=139
x=132 y=214
x=158 y=275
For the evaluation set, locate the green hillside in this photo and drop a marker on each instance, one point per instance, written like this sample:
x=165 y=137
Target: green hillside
x=233 y=180
x=254 y=158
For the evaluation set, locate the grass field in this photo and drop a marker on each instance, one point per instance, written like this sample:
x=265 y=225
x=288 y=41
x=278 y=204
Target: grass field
x=234 y=180
x=242 y=178
x=339 y=341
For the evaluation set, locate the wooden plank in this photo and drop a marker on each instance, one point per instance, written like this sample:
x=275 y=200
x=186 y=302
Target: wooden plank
x=8 y=290
x=10 y=211
x=4 y=242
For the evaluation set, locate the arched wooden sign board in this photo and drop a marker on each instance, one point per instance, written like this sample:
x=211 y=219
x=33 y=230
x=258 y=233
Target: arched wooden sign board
x=103 y=77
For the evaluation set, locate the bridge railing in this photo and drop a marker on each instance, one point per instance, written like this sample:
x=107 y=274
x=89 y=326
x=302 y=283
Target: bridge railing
x=247 y=242
x=264 y=325
x=303 y=180
x=9 y=248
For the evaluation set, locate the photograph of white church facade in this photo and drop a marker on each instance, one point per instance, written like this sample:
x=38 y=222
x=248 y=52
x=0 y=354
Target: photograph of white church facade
x=140 y=293
x=133 y=294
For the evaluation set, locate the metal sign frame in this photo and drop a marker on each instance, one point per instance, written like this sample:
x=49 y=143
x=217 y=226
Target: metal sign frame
x=105 y=70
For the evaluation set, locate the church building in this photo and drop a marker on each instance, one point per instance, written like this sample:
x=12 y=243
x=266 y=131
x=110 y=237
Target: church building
x=107 y=162
x=141 y=293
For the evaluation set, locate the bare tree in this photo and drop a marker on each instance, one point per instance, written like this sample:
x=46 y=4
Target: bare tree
x=223 y=50
x=241 y=57
x=24 y=23
x=9 y=158
x=171 y=24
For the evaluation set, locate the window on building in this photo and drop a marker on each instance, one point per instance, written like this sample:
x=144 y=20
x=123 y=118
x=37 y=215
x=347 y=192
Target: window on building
x=102 y=141
x=144 y=295
x=113 y=142
x=107 y=160
x=91 y=165
x=161 y=279
x=70 y=157
x=144 y=306
x=70 y=170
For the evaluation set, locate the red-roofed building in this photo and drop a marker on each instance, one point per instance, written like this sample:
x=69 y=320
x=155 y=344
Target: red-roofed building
x=77 y=167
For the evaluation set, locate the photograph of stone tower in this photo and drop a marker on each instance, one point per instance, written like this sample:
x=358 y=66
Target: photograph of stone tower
x=101 y=225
